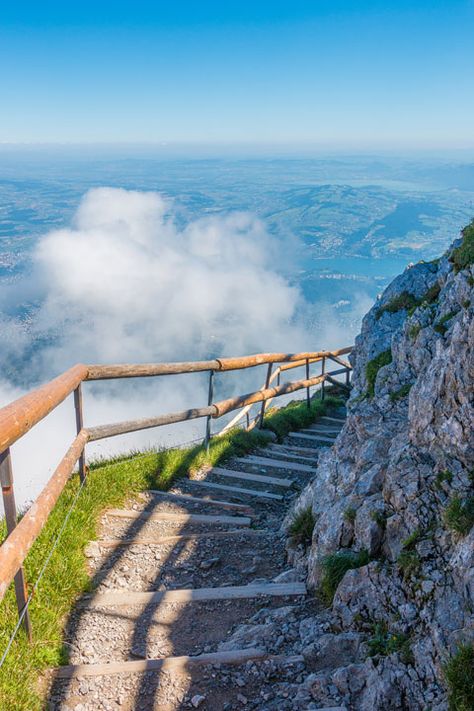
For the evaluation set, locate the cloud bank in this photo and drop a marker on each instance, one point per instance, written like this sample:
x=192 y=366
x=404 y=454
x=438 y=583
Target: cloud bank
x=126 y=282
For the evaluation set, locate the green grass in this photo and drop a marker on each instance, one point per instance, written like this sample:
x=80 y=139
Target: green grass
x=415 y=537
x=350 y=514
x=110 y=483
x=372 y=368
x=414 y=330
x=335 y=566
x=401 y=392
x=459 y=675
x=410 y=303
x=383 y=642
x=431 y=295
x=405 y=301
x=440 y=327
x=301 y=527
x=409 y=563
x=443 y=477
x=463 y=256
x=380 y=518
x=296 y=415
x=459 y=515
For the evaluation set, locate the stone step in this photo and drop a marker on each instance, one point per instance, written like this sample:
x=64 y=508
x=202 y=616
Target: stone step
x=128 y=598
x=236 y=489
x=299 y=448
x=143 y=541
x=176 y=665
x=179 y=518
x=323 y=430
x=287 y=455
x=246 y=476
x=319 y=432
x=244 y=508
x=339 y=420
x=311 y=437
x=266 y=461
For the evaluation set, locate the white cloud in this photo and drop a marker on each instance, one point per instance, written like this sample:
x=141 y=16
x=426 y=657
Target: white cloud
x=125 y=284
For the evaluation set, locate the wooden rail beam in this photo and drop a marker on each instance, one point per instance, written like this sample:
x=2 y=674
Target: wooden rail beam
x=146 y=370
x=235 y=403
x=145 y=423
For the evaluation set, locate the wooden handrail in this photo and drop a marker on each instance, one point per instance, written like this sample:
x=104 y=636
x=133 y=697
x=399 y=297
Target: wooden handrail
x=20 y=416
x=146 y=370
x=17 y=418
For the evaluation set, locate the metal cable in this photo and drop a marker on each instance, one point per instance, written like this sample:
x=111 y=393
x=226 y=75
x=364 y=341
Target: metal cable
x=41 y=573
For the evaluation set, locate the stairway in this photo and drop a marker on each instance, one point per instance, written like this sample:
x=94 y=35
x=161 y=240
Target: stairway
x=175 y=573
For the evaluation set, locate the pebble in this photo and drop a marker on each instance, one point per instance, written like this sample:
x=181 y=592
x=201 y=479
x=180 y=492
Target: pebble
x=197 y=700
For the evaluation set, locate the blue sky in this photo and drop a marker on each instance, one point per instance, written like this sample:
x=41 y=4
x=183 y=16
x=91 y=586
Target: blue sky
x=335 y=73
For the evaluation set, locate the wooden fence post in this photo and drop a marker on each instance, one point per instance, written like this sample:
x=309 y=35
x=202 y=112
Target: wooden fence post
x=6 y=479
x=267 y=383
x=210 y=398
x=79 y=426
x=308 y=394
x=323 y=370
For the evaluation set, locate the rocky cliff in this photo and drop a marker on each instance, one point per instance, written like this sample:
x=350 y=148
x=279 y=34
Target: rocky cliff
x=393 y=501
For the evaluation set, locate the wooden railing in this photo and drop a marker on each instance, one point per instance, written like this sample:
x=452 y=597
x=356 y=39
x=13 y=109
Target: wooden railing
x=17 y=418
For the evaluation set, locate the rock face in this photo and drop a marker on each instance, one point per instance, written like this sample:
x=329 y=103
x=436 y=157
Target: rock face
x=404 y=455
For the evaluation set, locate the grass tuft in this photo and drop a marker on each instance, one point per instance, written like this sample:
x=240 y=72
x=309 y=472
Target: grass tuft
x=297 y=415
x=404 y=301
x=350 y=514
x=409 y=563
x=443 y=477
x=385 y=642
x=301 y=527
x=463 y=256
x=335 y=566
x=414 y=330
x=372 y=368
x=401 y=392
x=459 y=515
x=459 y=675
x=440 y=327
x=380 y=518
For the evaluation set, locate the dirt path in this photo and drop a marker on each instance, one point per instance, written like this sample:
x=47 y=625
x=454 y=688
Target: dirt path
x=176 y=574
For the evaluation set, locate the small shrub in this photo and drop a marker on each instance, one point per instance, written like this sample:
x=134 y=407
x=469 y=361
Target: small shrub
x=410 y=542
x=380 y=518
x=466 y=303
x=441 y=477
x=459 y=515
x=459 y=675
x=414 y=330
x=431 y=295
x=335 y=566
x=401 y=393
x=463 y=256
x=440 y=326
x=409 y=562
x=350 y=514
x=470 y=280
x=372 y=368
x=384 y=643
x=301 y=528
x=405 y=300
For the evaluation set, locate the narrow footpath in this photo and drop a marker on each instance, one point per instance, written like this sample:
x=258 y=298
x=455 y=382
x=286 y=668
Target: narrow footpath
x=176 y=574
